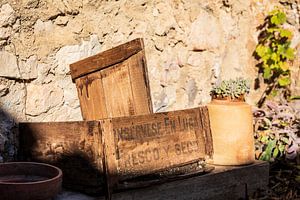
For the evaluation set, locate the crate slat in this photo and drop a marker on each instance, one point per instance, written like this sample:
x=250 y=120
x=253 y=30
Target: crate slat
x=92 y=100
x=139 y=84
x=104 y=59
x=117 y=90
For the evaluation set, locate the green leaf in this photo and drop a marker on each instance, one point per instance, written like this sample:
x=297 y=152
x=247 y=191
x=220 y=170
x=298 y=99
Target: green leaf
x=270 y=148
x=274 y=44
x=281 y=147
x=284 y=81
x=280 y=49
x=274 y=66
x=274 y=93
x=285 y=33
x=271 y=30
x=261 y=50
x=264 y=157
x=275 y=152
x=267 y=73
x=266 y=59
x=264 y=139
x=274 y=20
x=284 y=66
x=289 y=54
x=275 y=57
x=278 y=19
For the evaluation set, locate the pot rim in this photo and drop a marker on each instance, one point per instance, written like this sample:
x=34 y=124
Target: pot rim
x=57 y=177
x=241 y=98
x=227 y=101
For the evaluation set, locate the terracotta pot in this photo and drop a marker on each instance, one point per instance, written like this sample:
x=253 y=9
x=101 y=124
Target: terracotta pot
x=232 y=132
x=29 y=181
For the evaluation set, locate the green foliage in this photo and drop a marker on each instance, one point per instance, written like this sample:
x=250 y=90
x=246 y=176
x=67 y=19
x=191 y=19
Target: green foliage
x=233 y=89
x=277 y=125
x=273 y=50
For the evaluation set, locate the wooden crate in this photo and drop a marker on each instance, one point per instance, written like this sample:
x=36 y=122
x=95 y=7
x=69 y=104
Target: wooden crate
x=113 y=83
x=140 y=145
x=122 y=149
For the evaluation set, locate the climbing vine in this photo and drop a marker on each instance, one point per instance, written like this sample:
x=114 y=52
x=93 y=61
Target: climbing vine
x=277 y=123
x=275 y=54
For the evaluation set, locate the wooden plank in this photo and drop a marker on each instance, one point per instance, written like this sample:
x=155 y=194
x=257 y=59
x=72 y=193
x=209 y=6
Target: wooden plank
x=118 y=92
x=91 y=96
x=139 y=83
x=110 y=168
x=145 y=144
x=75 y=147
x=106 y=58
x=224 y=183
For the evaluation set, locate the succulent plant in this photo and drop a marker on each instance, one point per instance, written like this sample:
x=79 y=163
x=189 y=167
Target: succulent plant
x=232 y=89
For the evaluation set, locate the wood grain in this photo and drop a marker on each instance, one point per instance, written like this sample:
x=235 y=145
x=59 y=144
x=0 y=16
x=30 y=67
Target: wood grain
x=120 y=89
x=100 y=156
x=145 y=144
x=139 y=84
x=118 y=92
x=91 y=96
x=106 y=58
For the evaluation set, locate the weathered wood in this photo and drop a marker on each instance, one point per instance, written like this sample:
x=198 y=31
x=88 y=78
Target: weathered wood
x=106 y=58
x=75 y=147
x=224 y=183
x=117 y=90
x=105 y=155
x=91 y=96
x=117 y=83
x=139 y=83
x=139 y=145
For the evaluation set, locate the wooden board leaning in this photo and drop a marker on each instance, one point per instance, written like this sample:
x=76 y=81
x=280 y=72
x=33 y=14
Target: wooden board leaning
x=113 y=83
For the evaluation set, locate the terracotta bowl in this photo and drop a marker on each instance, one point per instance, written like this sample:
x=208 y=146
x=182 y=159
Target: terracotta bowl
x=29 y=181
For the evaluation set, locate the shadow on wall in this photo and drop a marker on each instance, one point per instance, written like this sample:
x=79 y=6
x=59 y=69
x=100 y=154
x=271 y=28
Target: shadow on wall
x=8 y=137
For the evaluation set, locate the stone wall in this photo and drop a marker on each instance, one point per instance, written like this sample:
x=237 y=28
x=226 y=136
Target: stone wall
x=190 y=45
